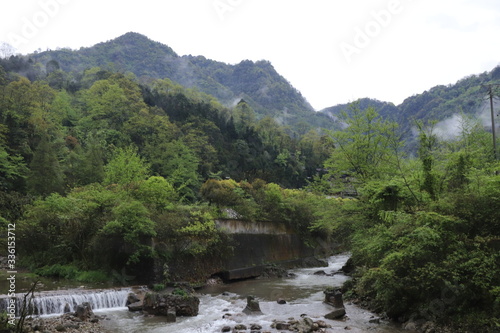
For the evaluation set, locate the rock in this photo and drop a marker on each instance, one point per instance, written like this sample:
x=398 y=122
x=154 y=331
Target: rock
x=240 y=327
x=255 y=327
x=338 y=301
x=337 y=313
x=320 y=273
x=60 y=328
x=281 y=301
x=322 y=324
x=334 y=298
x=84 y=311
x=159 y=304
x=374 y=320
x=410 y=326
x=349 y=267
x=304 y=325
x=72 y=326
x=171 y=316
x=67 y=308
x=252 y=307
x=137 y=306
x=226 y=329
x=132 y=298
x=282 y=325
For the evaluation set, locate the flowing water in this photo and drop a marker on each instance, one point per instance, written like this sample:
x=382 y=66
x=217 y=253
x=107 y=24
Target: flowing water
x=303 y=294
x=48 y=303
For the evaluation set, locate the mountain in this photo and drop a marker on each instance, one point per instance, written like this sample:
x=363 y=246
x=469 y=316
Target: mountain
x=258 y=83
x=467 y=96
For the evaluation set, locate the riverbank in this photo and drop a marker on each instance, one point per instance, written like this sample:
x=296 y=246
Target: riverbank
x=67 y=323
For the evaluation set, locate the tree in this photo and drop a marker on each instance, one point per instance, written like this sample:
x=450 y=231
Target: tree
x=178 y=164
x=362 y=148
x=126 y=167
x=427 y=146
x=244 y=117
x=46 y=175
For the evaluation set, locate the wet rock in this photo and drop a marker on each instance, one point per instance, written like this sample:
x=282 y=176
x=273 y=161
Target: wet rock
x=334 y=298
x=84 y=311
x=280 y=325
x=132 y=298
x=349 y=267
x=67 y=308
x=160 y=303
x=374 y=320
x=281 y=301
x=252 y=307
x=60 y=328
x=255 y=327
x=226 y=329
x=171 y=316
x=320 y=273
x=337 y=313
x=134 y=307
x=240 y=327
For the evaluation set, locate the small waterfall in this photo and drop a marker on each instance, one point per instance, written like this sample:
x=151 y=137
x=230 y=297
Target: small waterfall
x=49 y=303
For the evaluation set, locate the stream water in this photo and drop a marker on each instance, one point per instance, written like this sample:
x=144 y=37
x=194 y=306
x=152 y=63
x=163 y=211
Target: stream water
x=303 y=294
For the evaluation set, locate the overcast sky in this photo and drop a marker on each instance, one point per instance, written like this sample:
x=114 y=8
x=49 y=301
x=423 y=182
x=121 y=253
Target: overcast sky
x=332 y=51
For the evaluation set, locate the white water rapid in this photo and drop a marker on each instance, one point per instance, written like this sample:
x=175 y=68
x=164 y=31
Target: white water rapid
x=52 y=303
x=303 y=294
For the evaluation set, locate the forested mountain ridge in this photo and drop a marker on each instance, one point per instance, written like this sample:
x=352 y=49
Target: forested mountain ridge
x=467 y=96
x=266 y=91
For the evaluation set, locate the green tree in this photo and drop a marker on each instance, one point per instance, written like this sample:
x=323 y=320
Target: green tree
x=428 y=142
x=126 y=167
x=46 y=174
x=156 y=192
x=178 y=164
x=363 y=147
x=244 y=117
x=130 y=230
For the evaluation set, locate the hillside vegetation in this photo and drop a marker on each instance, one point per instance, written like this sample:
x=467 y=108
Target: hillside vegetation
x=109 y=177
x=258 y=83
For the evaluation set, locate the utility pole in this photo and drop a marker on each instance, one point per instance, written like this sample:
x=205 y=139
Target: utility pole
x=491 y=94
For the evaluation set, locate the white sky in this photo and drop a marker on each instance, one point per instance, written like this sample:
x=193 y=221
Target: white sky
x=332 y=51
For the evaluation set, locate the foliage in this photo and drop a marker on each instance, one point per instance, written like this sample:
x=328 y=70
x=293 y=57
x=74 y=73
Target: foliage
x=363 y=148
x=72 y=272
x=108 y=174
x=125 y=167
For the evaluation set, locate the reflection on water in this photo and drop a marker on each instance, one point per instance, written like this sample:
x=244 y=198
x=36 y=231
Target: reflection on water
x=303 y=293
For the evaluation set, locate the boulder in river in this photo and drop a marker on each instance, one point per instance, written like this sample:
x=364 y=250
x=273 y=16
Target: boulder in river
x=135 y=307
x=334 y=298
x=159 y=304
x=252 y=307
x=132 y=298
x=84 y=311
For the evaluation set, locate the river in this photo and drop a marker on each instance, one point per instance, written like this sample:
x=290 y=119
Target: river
x=303 y=294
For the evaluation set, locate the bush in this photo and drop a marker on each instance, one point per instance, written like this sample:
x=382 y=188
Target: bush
x=93 y=277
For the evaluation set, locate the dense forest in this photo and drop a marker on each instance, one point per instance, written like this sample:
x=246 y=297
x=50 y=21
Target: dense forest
x=258 y=83
x=106 y=175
